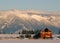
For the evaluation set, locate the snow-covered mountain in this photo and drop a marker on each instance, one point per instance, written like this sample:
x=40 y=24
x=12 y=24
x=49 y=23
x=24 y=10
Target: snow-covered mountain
x=12 y=21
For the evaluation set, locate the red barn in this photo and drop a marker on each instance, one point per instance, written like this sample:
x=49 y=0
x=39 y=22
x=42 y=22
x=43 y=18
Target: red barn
x=46 y=34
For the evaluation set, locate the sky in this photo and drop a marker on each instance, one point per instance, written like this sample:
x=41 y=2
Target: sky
x=41 y=5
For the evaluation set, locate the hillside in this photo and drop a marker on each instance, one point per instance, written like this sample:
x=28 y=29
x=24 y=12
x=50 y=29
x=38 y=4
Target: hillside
x=12 y=21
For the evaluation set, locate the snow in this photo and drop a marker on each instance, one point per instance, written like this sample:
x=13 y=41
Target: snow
x=26 y=40
x=9 y=35
x=29 y=19
x=29 y=41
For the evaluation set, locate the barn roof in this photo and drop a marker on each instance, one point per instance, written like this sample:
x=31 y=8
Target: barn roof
x=46 y=30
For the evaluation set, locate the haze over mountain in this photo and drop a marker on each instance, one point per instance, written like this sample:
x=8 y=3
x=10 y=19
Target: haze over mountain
x=12 y=21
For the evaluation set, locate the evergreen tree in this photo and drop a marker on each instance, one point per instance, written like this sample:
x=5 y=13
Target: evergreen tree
x=19 y=32
x=59 y=31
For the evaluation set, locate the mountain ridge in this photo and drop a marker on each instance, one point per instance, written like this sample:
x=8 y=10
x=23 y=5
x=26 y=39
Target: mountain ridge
x=32 y=11
x=14 y=20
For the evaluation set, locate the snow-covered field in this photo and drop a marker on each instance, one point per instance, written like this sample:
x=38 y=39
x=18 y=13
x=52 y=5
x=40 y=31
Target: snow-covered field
x=30 y=41
x=17 y=36
x=26 y=40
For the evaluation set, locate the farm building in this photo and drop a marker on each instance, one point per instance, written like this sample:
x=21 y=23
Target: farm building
x=46 y=34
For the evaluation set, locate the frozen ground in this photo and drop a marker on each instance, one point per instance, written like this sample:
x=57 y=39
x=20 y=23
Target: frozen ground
x=29 y=41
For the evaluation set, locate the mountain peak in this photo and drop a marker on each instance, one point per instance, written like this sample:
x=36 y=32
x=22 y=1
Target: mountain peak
x=14 y=20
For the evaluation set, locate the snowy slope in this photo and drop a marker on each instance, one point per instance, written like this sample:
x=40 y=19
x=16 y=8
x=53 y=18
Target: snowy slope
x=15 y=20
